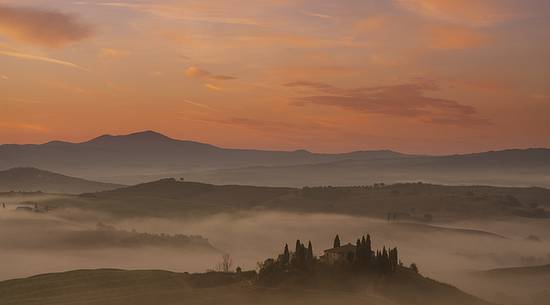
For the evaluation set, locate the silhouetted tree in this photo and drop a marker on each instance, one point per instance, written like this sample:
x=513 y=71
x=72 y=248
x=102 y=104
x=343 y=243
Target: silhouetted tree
x=368 y=249
x=226 y=264
x=337 y=241
x=414 y=267
x=309 y=251
x=358 y=252
x=286 y=256
x=299 y=258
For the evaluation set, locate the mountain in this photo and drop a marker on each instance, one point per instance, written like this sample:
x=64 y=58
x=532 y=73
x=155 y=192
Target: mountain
x=28 y=179
x=149 y=153
x=147 y=287
x=147 y=156
x=529 y=167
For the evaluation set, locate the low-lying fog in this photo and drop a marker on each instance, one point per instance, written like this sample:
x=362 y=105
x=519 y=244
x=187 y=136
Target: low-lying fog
x=33 y=243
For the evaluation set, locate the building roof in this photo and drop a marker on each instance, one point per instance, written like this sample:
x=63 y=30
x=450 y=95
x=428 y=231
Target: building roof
x=342 y=249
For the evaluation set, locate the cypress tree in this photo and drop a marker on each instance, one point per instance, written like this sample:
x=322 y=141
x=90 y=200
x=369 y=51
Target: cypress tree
x=286 y=255
x=368 y=248
x=310 y=251
x=337 y=241
x=358 y=254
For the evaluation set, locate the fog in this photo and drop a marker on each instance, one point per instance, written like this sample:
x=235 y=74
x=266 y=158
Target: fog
x=33 y=243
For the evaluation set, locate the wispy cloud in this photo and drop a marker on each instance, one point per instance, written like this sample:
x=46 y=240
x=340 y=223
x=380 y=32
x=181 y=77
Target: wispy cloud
x=402 y=100
x=475 y=13
x=200 y=13
x=198 y=104
x=212 y=87
x=110 y=53
x=2 y=76
x=200 y=73
x=24 y=126
x=42 y=27
x=26 y=56
x=318 y=15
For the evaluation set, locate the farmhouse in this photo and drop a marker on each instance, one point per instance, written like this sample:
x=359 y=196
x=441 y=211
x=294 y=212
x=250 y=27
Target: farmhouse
x=339 y=254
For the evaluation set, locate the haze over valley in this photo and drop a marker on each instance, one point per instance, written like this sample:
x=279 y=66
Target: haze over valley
x=268 y=152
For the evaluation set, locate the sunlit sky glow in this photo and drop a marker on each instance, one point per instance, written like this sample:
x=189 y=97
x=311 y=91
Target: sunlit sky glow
x=422 y=76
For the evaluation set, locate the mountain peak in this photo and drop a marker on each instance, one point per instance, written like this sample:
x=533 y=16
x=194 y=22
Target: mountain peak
x=147 y=135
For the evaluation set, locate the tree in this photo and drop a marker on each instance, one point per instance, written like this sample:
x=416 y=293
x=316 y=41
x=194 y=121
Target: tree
x=309 y=251
x=368 y=248
x=337 y=241
x=414 y=267
x=286 y=255
x=299 y=258
x=226 y=264
x=358 y=251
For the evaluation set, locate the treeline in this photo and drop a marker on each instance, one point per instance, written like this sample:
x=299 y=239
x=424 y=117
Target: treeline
x=109 y=234
x=385 y=260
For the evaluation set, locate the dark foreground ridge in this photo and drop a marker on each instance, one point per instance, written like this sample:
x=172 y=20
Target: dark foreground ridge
x=344 y=274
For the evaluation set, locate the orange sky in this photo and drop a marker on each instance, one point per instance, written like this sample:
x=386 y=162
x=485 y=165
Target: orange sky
x=422 y=76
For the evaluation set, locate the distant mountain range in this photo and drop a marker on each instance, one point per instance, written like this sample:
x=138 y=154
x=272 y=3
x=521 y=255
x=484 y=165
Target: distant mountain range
x=148 y=155
x=33 y=180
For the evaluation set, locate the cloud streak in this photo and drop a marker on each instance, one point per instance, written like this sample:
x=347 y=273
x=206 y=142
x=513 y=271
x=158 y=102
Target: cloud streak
x=199 y=13
x=195 y=72
x=42 y=27
x=475 y=13
x=41 y=58
x=198 y=105
x=402 y=100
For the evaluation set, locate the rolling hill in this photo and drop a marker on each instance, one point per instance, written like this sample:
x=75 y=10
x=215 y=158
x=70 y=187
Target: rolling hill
x=32 y=180
x=147 y=287
x=147 y=156
x=517 y=285
x=407 y=202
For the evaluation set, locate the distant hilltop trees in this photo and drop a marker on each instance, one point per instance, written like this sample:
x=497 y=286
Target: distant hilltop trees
x=358 y=258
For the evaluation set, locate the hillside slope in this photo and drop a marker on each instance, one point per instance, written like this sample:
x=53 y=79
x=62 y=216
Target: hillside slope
x=33 y=180
x=517 y=285
x=119 y=287
x=407 y=202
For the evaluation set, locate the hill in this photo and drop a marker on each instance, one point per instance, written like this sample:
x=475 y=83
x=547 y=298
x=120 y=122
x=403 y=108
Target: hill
x=139 y=156
x=120 y=287
x=27 y=179
x=517 y=285
x=148 y=155
x=516 y=272
x=530 y=167
x=405 y=202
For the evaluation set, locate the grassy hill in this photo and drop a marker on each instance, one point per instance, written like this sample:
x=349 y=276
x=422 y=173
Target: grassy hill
x=28 y=179
x=120 y=287
x=414 y=202
x=517 y=285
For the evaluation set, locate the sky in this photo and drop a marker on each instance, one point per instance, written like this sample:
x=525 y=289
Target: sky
x=417 y=76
